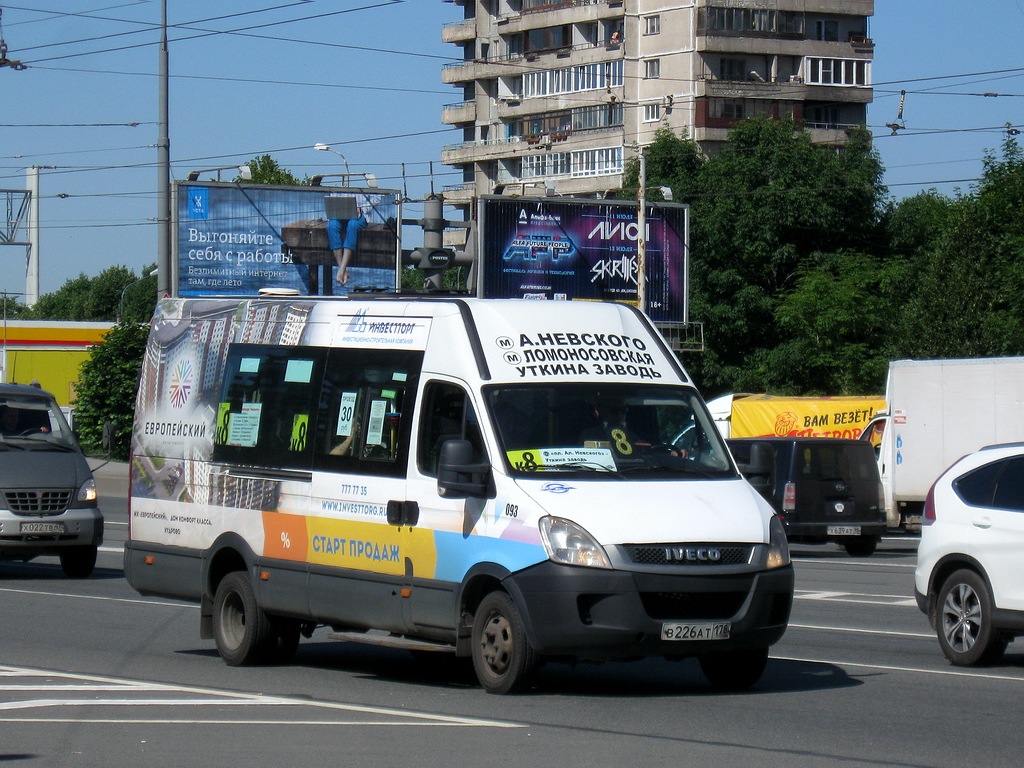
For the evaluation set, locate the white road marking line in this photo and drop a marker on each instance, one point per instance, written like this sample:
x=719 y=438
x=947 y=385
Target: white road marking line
x=41 y=593
x=852 y=630
x=225 y=697
x=894 y=668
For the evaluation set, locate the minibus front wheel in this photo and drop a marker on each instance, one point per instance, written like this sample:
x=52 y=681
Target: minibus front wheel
x=503 y=658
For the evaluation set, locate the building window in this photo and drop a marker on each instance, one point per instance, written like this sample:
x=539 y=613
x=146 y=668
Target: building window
x=732 y=69
x=827 y=30
x=652 y=69
x=586 y=77
x=652 y=112
x=728 y=109
x=751 y=21
x=652 y=25
x=597 y=162
x=846 y=72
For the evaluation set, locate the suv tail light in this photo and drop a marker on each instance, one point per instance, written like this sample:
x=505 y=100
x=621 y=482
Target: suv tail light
x=789 y=497
x=929 y=507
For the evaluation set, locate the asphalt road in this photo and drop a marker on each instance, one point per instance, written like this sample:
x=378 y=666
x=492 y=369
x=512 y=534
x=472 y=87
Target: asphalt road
x=92 y=674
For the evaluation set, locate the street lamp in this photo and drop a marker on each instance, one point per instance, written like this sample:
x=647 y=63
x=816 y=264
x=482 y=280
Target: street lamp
x=120 y=304
x=244 y=171
x=369 y=178
x=327 y=148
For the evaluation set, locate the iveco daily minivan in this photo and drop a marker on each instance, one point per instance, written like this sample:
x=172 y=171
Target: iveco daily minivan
x=47 y=494
x=498 y=480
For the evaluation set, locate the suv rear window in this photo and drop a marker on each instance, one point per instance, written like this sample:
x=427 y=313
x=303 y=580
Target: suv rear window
x=828 y=462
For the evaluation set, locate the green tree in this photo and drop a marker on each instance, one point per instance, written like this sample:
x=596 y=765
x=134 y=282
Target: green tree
x=106 y=389
x=98 y=299
x=773 y=208
x=672 y=162
x=266 y=170
x=969 y=296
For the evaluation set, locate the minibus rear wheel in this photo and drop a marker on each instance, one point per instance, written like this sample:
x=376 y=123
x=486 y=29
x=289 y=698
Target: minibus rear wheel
x=503 y=658
x=240 y=627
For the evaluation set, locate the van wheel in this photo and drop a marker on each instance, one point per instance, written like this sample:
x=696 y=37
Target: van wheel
x=734 y=670
x=861 y=546
x=240 y=627
x=78 y=562
x=502 y=656
x=964 y=625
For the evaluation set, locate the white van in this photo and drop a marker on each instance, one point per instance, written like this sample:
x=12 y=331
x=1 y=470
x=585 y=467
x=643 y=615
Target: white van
x=512 y=481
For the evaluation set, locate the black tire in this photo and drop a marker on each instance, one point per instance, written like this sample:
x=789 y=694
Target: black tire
x=502 y=656
x=861 y=546
x=241 y=628
x=78 y=562
x=963 y=621
x=734 y=670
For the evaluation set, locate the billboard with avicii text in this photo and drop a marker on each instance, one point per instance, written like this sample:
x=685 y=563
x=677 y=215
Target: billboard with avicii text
x=577 y=249
x=236 y=238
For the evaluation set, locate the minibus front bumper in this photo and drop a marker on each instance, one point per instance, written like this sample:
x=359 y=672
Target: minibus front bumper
x=602 y=614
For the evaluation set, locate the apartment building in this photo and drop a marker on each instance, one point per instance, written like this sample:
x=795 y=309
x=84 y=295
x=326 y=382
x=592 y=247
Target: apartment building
x=558 y=94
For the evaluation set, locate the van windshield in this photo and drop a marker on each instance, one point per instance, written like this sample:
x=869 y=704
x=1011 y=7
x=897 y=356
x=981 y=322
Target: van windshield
x=615 y=430
x=33 y=423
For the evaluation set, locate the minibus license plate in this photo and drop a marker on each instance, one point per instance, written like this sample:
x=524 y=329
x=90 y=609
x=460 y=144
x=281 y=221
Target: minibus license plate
x=42 y=527
x=844 y=530
x=673 y=631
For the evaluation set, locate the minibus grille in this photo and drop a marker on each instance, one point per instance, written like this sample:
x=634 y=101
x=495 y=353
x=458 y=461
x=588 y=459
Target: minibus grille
x=692 y=605
x=44 y=501
x=678 y=554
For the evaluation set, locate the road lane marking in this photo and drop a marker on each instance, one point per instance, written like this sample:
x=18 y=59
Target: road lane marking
x=895 y=668
x=41 y=593
x=212 y=697
x=862 y=598
x=854 y=630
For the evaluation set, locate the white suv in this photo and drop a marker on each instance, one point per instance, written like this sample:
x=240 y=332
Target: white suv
x=970 y=563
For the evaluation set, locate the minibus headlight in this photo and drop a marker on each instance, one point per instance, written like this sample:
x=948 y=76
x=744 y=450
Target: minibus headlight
x=778 y=544
x=88 y=491
x=568 y=543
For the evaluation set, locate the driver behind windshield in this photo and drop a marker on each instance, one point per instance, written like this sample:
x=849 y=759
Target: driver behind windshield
x=9 y=419
x=614 y=431
x=13 y=422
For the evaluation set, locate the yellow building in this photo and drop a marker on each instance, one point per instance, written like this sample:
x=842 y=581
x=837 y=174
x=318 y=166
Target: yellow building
x=49 y=352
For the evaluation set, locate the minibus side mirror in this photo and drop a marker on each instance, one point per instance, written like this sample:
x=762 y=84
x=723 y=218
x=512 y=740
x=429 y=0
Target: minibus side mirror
x=759 y=471
x=459 y=473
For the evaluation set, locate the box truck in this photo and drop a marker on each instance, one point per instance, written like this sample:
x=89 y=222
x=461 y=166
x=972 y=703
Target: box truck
x=936 y=412
x=507 y=481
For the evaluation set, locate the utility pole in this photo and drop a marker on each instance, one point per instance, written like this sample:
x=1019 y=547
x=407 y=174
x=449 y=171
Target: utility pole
x=641 y=237
x=163 y=176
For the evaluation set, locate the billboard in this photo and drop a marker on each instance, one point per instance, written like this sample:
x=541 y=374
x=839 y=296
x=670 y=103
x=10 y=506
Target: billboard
x=559 y=248
x=236 y=238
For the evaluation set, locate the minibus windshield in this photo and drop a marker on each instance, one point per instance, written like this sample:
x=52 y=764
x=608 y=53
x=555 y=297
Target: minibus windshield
x=27 y=422
x=611 y=430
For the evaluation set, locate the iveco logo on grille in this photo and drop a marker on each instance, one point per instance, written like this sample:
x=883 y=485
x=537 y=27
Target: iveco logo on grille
x=693 y=554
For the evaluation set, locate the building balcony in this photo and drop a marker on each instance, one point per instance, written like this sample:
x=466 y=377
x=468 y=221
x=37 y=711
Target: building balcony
x=792 y=89
x=556 y=13
x=453 y=114
x=460 y=31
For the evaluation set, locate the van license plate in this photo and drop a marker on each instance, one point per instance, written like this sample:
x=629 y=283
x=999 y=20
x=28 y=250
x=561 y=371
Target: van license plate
x=673 y=631
x=42 y=527
x=844 y=530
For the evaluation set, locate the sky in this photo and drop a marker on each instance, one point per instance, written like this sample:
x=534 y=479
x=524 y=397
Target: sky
x=255 y=77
